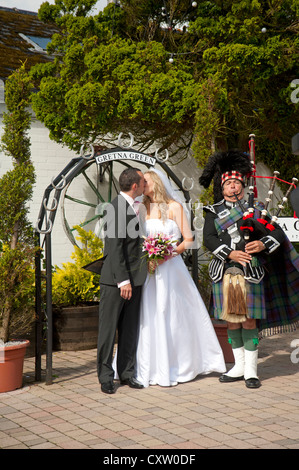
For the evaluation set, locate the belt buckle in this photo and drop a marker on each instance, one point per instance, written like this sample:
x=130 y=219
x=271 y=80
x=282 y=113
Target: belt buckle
x=223 y=213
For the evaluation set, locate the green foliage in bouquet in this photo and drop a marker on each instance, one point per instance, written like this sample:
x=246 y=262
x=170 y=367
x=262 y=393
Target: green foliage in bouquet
x=73 y=285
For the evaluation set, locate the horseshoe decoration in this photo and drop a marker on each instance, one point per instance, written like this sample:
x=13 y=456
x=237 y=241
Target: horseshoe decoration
x=54 y=205
x=131 y=143
x=187 y=186
x=162 y=159
x=60 y=185
x=82 y=152
x=198 y=223
x=45 y=231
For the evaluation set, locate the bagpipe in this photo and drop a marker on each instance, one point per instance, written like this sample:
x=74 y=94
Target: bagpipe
x=251 y=228
x=255 y=229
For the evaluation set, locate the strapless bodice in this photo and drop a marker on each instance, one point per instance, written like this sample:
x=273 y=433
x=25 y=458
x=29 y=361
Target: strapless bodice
x=168 y=227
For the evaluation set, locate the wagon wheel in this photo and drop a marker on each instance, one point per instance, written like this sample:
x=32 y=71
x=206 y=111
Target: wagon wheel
x=92 y=188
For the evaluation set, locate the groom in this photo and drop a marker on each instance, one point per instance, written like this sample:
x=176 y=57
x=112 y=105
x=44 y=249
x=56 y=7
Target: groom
x=122 y=276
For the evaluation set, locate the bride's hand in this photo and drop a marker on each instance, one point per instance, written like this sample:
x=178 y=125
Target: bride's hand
x=152 y=265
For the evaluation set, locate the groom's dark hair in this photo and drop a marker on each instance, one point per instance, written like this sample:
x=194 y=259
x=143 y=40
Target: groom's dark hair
x=128 y=177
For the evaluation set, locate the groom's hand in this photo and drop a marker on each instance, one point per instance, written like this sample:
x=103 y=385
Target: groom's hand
x=126 y=291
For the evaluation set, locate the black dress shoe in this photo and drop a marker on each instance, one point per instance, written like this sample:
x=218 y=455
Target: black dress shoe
x=132 y=382
x=226 y=378
x=108 y=387
x=252 y=383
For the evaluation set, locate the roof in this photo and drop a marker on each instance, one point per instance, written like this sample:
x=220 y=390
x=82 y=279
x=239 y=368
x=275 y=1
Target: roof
x=23 y=38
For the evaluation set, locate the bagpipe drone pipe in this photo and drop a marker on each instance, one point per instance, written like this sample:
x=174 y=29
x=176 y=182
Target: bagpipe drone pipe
x=251 y=229
x=255 y=229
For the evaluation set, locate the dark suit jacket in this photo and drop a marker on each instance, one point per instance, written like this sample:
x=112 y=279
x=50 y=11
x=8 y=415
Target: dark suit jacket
x=123 y=245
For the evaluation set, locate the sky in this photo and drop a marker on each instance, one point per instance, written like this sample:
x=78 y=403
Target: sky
x=33 y=5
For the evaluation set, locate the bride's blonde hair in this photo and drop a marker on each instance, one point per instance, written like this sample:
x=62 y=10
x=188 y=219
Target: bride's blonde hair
x=160 y=195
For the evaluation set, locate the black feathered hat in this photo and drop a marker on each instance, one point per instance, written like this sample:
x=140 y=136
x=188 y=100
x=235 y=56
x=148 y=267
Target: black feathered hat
x=225 y=162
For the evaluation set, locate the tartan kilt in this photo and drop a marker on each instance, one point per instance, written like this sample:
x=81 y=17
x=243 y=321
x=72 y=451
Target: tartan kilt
x=274 y=302
x=282 y=292
x=256 y=306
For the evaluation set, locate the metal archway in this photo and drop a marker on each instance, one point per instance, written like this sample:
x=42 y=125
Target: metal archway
x=53 y=194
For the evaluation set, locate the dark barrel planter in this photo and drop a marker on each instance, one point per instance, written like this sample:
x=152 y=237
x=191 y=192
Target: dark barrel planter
x=75 y=328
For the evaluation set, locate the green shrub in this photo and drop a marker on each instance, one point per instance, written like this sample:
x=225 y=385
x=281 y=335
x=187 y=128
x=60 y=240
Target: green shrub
x=16 y=233
x=73 y=285
x=17 y=291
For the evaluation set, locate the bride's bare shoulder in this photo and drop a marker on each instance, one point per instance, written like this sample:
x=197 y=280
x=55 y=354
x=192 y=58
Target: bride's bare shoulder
x=173 y=203
x=174 y=209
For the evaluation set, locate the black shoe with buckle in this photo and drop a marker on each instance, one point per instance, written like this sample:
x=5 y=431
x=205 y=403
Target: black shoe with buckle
x=108 y=387
x=132 y=382
x=253 y=383
x=226 y=378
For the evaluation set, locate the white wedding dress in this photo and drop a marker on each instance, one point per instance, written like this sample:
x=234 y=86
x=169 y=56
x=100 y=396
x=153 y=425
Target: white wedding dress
x=176 y=340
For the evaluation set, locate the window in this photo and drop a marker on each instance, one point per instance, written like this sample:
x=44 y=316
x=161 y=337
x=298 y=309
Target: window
x=39 y=44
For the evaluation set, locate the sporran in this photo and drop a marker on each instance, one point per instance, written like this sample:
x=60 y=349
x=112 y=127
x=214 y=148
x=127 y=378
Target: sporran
x=234 y=296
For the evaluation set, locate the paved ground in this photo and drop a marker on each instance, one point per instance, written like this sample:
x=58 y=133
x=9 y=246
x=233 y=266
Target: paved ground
x=72 y=413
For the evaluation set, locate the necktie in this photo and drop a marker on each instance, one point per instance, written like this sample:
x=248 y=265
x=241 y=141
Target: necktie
x=136 y=207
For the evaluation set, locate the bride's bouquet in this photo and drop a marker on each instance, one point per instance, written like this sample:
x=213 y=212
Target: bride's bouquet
x=158 y=247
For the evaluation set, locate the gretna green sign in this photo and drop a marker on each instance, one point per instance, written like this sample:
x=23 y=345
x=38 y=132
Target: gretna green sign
x=125 y=155
x=290 y=226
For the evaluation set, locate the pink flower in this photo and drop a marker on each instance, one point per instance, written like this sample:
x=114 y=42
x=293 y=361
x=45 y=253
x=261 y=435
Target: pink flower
x=159 y=247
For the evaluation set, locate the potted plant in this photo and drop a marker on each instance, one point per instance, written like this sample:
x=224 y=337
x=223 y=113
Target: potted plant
x=75 y=296
x=17 y=249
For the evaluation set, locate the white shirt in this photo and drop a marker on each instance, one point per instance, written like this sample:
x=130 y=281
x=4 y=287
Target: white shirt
x=128 y=198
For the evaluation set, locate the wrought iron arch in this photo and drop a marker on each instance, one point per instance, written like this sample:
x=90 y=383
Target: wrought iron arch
x=47 y=215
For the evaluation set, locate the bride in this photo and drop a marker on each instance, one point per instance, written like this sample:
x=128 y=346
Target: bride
x=176 y=340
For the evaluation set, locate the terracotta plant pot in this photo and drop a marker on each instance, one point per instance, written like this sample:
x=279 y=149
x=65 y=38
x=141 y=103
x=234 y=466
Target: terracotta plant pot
x=11 y=366
x=220 y=328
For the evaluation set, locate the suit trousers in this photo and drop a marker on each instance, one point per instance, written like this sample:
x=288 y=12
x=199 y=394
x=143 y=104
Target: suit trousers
x=117 y=314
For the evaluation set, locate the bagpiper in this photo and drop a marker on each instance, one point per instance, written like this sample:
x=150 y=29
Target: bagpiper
x=254 y=268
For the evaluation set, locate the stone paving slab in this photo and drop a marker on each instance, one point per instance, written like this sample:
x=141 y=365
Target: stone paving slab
x=73 y=413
